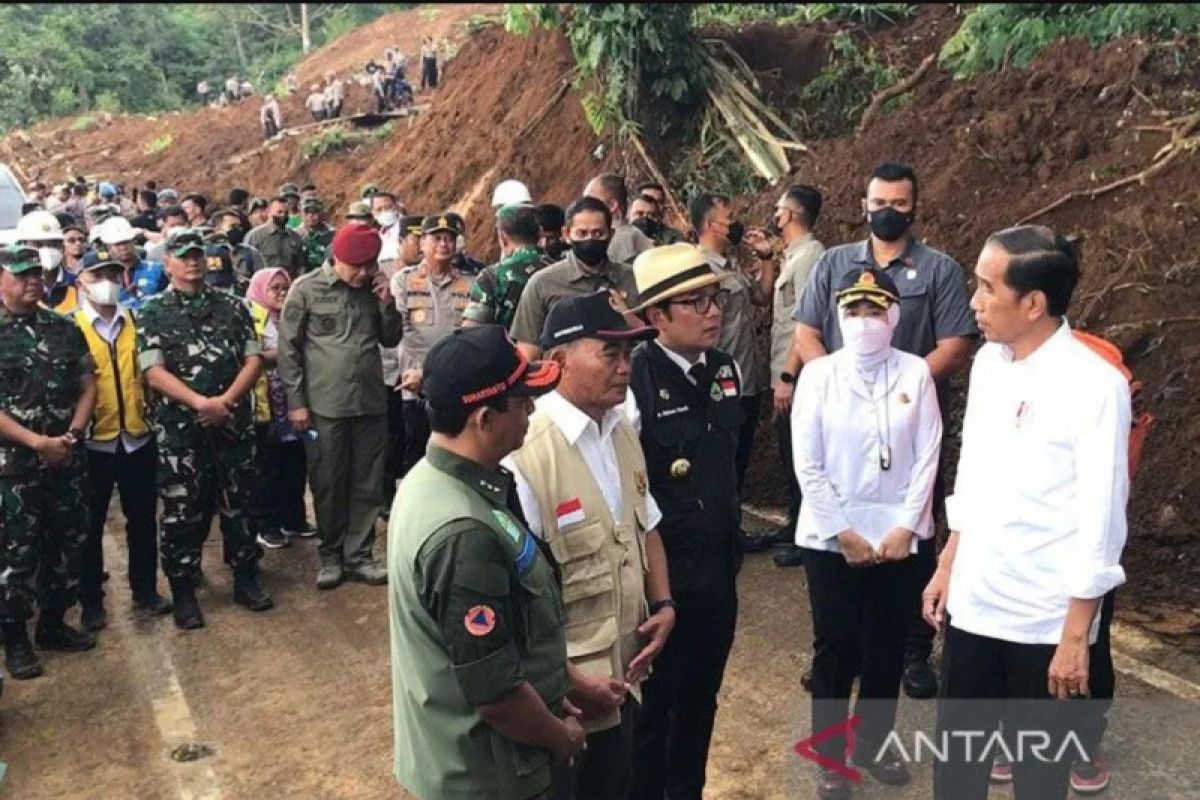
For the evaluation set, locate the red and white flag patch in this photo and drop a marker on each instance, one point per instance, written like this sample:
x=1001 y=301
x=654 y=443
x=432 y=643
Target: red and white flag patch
x=569 y=512
x=729 y=387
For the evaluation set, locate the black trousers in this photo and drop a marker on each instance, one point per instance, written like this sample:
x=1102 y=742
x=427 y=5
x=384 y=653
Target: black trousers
x=920 y=635
x=429 y=73
x=416 y=434
x=860 y=618
x=1102 y=681
x=279 y=498
x=751 y=406
x=983 y=681
x=394 y=470
x=133 y=475
x=679 y=700
x=783 y=433
x=601 y=772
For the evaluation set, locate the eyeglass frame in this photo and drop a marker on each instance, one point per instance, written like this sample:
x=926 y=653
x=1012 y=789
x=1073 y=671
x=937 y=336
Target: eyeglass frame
x=719 y=298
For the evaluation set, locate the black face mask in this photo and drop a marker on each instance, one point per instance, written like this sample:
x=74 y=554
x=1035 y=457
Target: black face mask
x=773 y=227
x=557 y=249
x=736 y=229
x=648 y=225
x=591 y=251
x=235 y=234
x=280 y=221
x=889 y=224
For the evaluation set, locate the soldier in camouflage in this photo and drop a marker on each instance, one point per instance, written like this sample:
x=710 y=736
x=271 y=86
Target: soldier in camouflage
x=47 y=393
x=497 y=289
x=198 y=351
x=314 y=233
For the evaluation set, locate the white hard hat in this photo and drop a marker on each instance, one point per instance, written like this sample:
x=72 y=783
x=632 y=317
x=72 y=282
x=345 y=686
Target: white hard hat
x=115 y=230
x=510 y=193
x=39 y=226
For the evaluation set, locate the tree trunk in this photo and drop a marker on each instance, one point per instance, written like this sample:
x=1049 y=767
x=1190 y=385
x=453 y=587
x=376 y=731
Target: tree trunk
x=305 y=39
x=237 y=41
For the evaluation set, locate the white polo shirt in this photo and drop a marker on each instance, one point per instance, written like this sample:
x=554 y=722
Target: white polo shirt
x=1043 y=479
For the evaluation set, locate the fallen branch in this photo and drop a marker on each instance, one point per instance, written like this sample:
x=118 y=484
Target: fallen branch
x=1112 y=330
x=1181 y=142
x=656 y=173
x=561 y=92
x=895 y=90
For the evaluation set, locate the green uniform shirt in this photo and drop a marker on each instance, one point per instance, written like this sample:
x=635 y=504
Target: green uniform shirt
x=475 y=612
x=329 y=337
x=567 y=278
x=316 y=246
x=43 y=357
x=203 y=339
x=279 y=247
x=497 y=290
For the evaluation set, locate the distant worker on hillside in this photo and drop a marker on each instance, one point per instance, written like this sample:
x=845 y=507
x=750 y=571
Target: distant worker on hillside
x=246 y=89
x=429 y=65
x=291 y=83
x=232 y=87
x=378 y=88
x=269 y=117
x=202 y=92
x=335 y=95
x=317 y=104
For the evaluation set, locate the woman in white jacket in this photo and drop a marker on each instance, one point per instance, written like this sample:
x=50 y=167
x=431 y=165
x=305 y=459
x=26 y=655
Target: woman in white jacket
x=866 y=433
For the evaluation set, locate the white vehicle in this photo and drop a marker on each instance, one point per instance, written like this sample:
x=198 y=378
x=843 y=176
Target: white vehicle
x=12 y=197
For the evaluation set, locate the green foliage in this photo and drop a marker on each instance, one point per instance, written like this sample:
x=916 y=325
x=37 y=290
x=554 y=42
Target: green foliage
x=867 y=14
x=1000 y=34
x=339 y=138
x=832 y=102
x=159 y=144
x=84 y=123
x=383 y=132
x=66 y=58
x=521 y=18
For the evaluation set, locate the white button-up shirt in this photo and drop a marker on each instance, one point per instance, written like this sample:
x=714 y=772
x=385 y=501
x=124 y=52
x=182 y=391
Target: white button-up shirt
x=839 y=423
x=798 y=260
x=596 y=446
x=1043 y=480
x=109 y=331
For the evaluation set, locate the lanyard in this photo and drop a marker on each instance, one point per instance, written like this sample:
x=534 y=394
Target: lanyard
x=883 y=428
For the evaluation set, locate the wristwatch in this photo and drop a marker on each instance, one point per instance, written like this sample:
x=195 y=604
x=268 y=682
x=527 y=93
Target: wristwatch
x=659 y=605
x=787 y=377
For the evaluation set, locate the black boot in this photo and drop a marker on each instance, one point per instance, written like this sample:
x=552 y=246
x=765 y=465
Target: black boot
x=23 y=663
x=248 y=592
x=187 y=609
x=93 y=617
x=55 y=634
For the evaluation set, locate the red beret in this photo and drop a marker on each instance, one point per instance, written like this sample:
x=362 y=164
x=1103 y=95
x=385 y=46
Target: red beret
x=356 y=243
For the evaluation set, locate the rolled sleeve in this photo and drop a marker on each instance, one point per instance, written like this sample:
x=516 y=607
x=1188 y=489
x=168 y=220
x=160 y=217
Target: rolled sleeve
x=465 y=587
x=1102 y=480
x=531 y=314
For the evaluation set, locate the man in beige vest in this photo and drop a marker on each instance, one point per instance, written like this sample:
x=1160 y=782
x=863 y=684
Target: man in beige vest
x=581 y=479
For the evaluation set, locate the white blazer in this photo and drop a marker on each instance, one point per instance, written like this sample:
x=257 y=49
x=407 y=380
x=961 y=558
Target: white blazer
x=837 y=428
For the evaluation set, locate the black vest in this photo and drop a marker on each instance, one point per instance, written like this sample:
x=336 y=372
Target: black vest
x=690 y=438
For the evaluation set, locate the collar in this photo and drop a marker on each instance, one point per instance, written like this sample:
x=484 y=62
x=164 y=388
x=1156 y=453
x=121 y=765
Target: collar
x=679 y=360
x=1046 y=349
x=492 y=486
x=863 y=254
x=93 y=316
x=714 y=258
x=799 y=243
x=185 y=299
x=330 y=275
x=12 y=316
x=425 y=272
x=572 y=421
x=521 y=255
x=579 y=274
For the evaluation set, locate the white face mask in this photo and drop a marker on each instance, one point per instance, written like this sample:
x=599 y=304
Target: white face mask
x=51 y=257
x=387 y=218
x=865 y=336
x=460 y=244
x=104 y=293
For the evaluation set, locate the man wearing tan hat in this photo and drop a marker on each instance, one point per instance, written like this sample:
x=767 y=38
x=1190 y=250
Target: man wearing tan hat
x=334 y=320
x=687 y=395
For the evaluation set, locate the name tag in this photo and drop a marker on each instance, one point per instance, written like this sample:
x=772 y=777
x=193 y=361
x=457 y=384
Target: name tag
x=670 y=412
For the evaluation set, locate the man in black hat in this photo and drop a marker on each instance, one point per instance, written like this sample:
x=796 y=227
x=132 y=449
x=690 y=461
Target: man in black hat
x=581 y=477
x=478 y=651
x=314 y=234
x=687 y=395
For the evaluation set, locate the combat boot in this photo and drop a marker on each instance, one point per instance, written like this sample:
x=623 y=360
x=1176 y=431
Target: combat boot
x=53 y=633
x=187 y=608
x=23 y=663
x=248 y=592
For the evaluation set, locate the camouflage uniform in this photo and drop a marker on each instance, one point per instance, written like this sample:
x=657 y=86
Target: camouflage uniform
x=316 y=245
x=497 y=290
x=43 y=510
x=203 y=339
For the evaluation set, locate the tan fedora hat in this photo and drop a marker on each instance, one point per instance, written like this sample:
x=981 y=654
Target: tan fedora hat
x=669 y=271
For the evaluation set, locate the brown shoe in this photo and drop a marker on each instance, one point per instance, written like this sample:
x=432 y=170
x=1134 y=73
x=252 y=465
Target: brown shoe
x=833 y=786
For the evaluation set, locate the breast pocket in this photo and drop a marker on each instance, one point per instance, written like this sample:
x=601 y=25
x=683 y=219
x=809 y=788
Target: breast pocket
x=420 y=310
x=14 y=376
x=915 y=328
x=323 y=324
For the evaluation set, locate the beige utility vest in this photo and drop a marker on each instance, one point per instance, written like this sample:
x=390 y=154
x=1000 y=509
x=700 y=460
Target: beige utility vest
x=603 y=560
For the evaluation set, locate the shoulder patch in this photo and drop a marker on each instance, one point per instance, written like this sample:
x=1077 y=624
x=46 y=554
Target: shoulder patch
x=480 y=620
x=507 y=524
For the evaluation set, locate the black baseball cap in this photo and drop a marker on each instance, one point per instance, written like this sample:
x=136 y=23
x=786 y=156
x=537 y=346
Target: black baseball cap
x=101 y=257
x=410 y=224
x=478 y=363
x=595 y=316
x=441 y=223
x=219 y=263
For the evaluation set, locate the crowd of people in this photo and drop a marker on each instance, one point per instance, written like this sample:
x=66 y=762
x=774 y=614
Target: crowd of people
x=563 y=572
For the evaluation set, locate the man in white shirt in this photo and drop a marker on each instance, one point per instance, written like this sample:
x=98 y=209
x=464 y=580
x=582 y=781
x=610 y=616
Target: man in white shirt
x=1037 y=519
x=581 y=478
x=120 y=445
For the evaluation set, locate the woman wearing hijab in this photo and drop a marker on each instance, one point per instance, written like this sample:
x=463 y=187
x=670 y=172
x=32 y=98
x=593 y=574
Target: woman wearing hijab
x=866 y=433
x=278 y=508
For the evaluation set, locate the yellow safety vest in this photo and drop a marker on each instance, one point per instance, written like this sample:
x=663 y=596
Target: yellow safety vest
x=121 y=394
x=262 y=401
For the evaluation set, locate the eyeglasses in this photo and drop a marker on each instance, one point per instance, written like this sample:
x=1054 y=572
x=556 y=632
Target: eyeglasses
x=74 y=240
x=704 y=302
